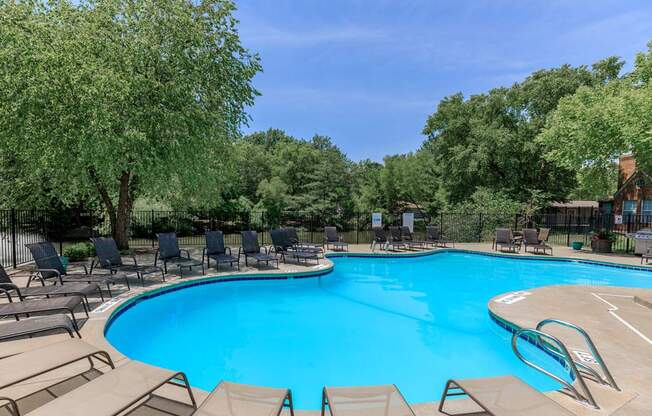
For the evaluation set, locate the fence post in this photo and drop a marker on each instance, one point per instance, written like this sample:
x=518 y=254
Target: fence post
x=568 y=229
x=479 y=227
x=13 y=237
x=357 y=228
x=153 y=234
x=312 y=231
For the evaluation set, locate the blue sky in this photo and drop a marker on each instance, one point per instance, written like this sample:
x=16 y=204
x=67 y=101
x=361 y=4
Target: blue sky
x=367 y=73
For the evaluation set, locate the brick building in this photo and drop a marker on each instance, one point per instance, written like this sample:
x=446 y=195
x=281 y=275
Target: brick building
x=633 y=199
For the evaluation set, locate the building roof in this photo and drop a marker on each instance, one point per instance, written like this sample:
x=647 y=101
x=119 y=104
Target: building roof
x=575 y=204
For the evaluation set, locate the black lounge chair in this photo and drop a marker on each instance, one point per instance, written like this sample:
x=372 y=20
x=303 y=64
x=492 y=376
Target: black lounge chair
x=435 y=237
x=409 y=238
x=396 y=235
x=169 y=252
x=251 y=248
x=37 y=306
x=49 y=266
x=216 y=250
x=47 y=290
x=331 y=238
x=293 y=236
x=109 y=258
x=380 y=238
x=505 y=238
x=281 y=245
x=37 y=325
x=531 y=240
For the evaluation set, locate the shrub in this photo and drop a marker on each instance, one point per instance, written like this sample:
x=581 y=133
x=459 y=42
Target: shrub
x=79 y=251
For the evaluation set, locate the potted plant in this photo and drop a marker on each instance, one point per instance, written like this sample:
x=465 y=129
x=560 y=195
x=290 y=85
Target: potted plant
x=602 y=240
x=577 y=245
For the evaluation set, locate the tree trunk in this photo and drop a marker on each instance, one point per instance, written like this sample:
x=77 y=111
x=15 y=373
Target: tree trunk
x=123 y=213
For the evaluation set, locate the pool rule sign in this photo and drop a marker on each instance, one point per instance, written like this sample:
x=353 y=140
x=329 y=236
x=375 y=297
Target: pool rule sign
x=376 y=219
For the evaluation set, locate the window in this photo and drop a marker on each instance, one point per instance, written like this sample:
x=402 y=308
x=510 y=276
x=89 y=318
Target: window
x=647 y=208
x=629 y=210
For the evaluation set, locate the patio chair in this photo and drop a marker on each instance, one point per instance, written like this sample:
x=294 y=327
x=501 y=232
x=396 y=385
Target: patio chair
x=544 y=234
x=396 y=238
x=169 y=252
x=409 y=238
x=646 y=256
x=506 y=395
x=301 y=245
x=242 y=399
x=251 y=248
x=380 y=238
x=115 y=391
x=37 y=325
x=281 y=245
x=49 y=266
x=531 y=240
x=37 y=306
x=505 y=238
x=109 y=258
x=331 y=238
x=384 y=400
x=47 y=290
x=435 y=237
x=216 y=250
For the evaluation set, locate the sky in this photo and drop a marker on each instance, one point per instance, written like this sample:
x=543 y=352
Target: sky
x=367 y=73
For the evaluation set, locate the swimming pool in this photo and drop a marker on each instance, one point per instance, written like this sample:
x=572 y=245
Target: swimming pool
x=413 y=321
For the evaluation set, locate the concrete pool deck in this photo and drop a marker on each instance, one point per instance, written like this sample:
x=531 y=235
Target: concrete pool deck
x=626 y=352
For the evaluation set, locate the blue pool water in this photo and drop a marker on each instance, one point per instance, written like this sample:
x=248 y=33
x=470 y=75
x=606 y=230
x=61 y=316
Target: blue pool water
x=414 y=322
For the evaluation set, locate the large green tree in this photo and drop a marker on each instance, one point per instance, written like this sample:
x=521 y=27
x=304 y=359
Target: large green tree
x=120 y=99
x=591 y=128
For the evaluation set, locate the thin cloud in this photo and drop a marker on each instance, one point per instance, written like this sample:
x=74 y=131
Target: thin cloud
x=272 y=36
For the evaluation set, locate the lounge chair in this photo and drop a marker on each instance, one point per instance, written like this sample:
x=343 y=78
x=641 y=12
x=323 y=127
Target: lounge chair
x=216 y=250
x=12 y=406
x=301 y=245
x=384 y=400
x=531 y=240
x=47 y=290
x=505 y=238
x=36 y=362
x=109 y=258
x=435 y=237
x=169 y=252
x=500 y=396
x=234 y=399
x=37 y=306
x=251 y=248
x=409 y=238
x=49 y=266
x=380 y=238
x=544 y=234
x=396 y=237
x=37 y=325
x=281 y=245
x=115 y=391
x=331 y=238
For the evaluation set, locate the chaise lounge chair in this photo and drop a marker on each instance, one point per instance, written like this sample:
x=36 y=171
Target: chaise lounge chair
x=115 y=391
x=531 y=240
x=47 y=290
x=215 y=249
x=396 y=234
x=232 y=399
x=301 y=245
x=37 y=306
x=169 y=252
x=49 y=266
x=505 y=238
x=37 y=325
x=281 y=245
x=409 y=238
x=380 y=238
x=109 y=258
x=500 y=396
x=435 y=237
x=384 y=400
x=251 y=248
x=331 y=238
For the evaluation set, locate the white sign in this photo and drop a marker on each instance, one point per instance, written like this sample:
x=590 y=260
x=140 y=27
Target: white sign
x=376 y=219
x=408 y=220
x=618 y=219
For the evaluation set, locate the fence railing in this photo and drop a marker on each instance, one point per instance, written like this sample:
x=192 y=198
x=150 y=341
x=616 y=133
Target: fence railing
x=20 y=227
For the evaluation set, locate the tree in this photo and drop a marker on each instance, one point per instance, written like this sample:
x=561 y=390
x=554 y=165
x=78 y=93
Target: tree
x=591 y=128
x=122 y=98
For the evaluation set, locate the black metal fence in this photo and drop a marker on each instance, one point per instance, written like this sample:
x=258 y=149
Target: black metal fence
x=20 y=227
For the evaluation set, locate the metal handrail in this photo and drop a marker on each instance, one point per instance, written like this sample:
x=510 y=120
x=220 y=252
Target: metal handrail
x=608 y=378
x=586 y=397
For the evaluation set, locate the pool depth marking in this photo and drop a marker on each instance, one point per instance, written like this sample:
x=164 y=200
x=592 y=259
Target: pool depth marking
x=513 y=297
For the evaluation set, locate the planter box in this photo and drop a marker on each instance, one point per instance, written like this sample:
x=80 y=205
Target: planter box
x=601 y=246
